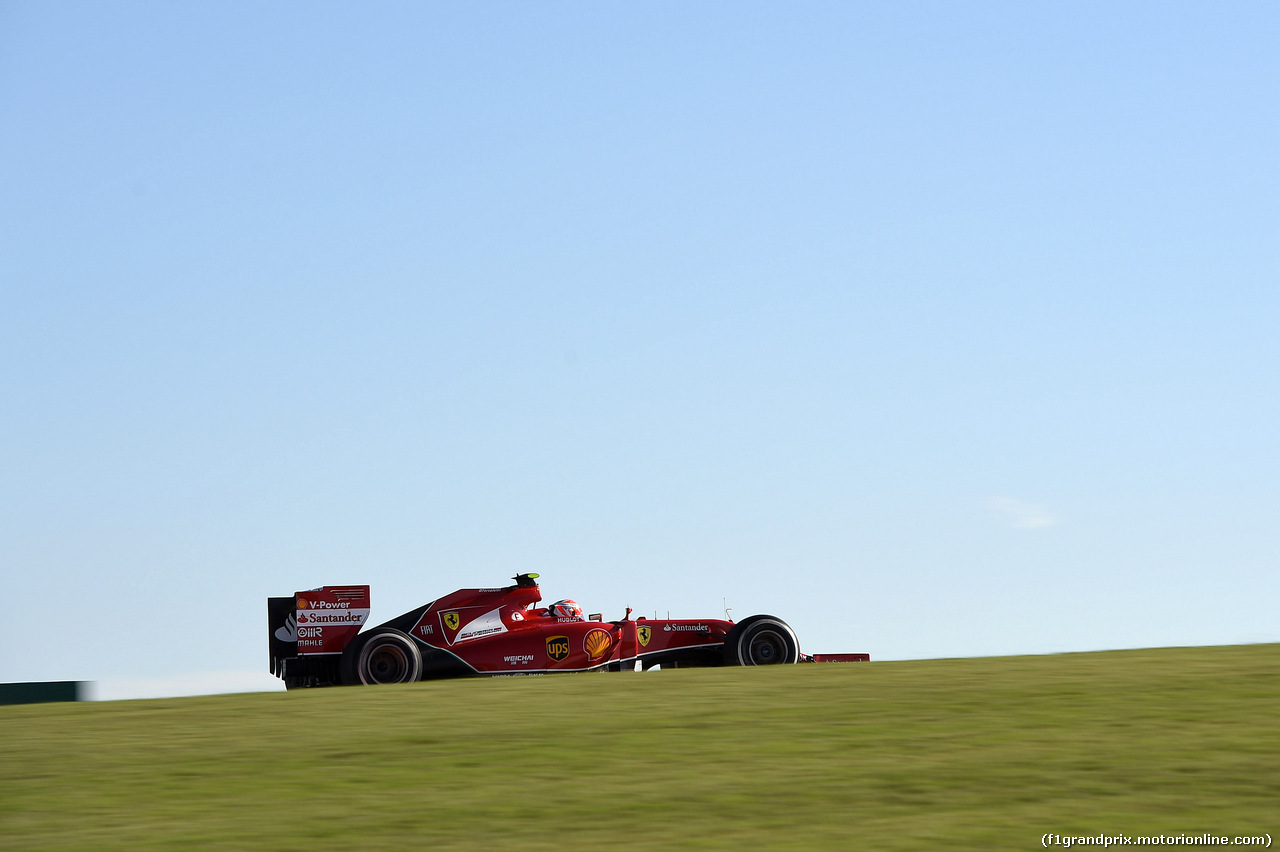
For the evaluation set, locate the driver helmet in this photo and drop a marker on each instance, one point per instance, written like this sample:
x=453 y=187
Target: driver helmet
x=566 y=609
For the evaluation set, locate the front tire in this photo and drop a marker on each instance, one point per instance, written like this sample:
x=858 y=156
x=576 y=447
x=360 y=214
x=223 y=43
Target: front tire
x=761 y=640
x=388 y=656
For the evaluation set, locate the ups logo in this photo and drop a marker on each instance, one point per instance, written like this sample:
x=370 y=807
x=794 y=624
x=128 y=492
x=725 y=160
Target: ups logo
x=558 y=647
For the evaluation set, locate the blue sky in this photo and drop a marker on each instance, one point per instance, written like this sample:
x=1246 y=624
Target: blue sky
x=936 y=329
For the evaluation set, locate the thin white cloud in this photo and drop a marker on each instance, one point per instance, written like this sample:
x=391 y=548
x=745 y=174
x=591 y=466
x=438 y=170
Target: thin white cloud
x=194 y=683
x=1025 y=516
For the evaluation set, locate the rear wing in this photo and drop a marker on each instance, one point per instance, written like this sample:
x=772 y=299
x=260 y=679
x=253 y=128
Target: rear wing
x=306 y=633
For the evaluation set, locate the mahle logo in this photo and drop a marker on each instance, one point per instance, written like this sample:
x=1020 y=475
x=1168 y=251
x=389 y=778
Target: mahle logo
x=644 y=634
x=451 y=620
x=558 y=647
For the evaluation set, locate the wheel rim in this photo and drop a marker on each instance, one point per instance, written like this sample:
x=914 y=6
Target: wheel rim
x=767 y=648
x=388 y=663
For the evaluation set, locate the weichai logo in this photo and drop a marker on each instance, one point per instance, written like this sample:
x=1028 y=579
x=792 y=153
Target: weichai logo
x=557 y=647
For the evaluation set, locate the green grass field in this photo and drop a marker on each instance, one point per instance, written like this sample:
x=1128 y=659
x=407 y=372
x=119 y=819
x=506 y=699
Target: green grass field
x=965 y=754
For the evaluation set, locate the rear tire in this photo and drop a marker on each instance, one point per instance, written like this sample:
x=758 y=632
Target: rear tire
x=388 y=656
x=762 y=640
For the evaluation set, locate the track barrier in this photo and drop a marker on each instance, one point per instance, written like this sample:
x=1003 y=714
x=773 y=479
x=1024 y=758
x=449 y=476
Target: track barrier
x=41 y=692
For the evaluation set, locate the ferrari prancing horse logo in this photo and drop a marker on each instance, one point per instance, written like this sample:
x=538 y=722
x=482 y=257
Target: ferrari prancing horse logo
x=451 y=620
x=643 y=634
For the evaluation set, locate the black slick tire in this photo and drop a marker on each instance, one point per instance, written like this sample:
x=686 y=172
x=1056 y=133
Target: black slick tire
x=384 y=656
x=761 y=640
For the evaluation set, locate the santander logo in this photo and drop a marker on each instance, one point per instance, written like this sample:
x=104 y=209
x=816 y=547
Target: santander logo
x=288 y=632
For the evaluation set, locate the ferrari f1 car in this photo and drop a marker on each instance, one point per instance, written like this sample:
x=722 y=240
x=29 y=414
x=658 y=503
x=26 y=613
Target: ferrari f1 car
x=316 y=640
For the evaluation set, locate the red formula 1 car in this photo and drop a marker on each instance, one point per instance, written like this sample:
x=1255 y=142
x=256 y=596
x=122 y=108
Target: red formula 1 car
x=315 y=638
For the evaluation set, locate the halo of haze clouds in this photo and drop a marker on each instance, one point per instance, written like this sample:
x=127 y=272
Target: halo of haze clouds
x=936 y=329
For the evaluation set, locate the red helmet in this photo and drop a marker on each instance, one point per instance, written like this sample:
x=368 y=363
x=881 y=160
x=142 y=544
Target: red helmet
x=566 y=609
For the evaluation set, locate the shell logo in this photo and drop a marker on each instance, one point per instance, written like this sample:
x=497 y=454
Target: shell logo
x=596 y=643
x=303 y=603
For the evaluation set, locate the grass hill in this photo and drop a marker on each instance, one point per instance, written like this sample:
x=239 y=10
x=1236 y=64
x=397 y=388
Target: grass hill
x=965 y=754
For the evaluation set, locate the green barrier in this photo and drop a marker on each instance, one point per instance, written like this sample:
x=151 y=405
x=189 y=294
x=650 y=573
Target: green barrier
x=38 y=693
